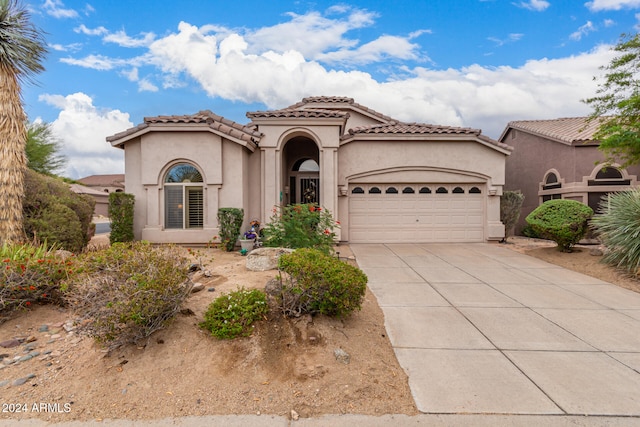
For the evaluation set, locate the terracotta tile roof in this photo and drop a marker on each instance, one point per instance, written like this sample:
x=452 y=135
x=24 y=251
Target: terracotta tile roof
x=569 y=130
x=288 y=113
x=412 y=128
x=114 y=180
x=216 y=122
x=340 y=102
x=400 y=128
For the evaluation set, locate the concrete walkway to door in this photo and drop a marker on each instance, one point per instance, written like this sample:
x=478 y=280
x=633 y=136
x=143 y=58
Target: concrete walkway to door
x=481 y=329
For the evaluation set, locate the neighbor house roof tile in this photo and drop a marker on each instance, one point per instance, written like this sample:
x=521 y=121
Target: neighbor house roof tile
x=569 y=130
x=113 y=180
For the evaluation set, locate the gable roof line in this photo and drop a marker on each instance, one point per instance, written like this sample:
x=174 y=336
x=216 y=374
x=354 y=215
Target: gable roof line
x=245 y=135
x=298 y=113
x=340 y=103
x=566 y=130
x=401 y=128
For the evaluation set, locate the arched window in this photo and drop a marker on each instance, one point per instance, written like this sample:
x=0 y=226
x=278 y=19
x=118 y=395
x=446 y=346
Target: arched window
x=475 y=190
x=391 y=190
x=425 y=190
x=458 y=190
x=551 y=181
x=408 y=190
x=442 y=190
x=183 y=197
x=374 y=190
x=609 y=175
x=357 y=190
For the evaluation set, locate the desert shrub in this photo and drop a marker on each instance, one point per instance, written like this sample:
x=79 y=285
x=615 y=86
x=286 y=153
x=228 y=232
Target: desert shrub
x=30 y=275
x=510 y=205
x=313 y=282
x=56 y=215
x=229 y=223
x=300 y=226
x=618 y=226
x=563 y=221
x=128 y=291
x=232 y=315
x=121 y=217
x=528 y=231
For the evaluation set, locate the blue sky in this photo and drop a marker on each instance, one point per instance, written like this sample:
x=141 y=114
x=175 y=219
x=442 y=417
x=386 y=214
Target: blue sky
x=476 y=63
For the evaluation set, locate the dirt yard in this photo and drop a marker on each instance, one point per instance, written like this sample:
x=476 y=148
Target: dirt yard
x=285 y=366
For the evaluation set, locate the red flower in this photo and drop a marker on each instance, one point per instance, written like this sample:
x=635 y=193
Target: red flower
x=326 y=231
x=27 y=303
x=32 y=288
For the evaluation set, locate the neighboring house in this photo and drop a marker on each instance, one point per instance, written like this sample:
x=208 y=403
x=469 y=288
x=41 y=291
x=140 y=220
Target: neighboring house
x=105 y=183
x=99 y=187
x=558 y=159
x=101 y=198
x=382 y=179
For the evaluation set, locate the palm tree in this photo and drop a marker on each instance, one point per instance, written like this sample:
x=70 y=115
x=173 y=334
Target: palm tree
x=22 y=48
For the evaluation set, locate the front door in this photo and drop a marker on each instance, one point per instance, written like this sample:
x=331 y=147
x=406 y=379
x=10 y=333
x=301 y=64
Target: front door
x=305 y=187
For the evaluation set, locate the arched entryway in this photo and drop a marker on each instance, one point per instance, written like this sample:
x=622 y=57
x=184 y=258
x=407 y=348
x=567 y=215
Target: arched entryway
x=301 y=171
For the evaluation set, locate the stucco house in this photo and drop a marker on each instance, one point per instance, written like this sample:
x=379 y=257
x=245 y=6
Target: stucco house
x=384 y=180
x=559 y=159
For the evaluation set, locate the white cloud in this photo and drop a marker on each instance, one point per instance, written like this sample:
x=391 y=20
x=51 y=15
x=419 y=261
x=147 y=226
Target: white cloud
x=600 y=5
x=583 y=31
x=513 y=37
x=122 y=39
x=382 y=48
x=83 y=128
x=99 y=31
x=144 y=85
x=98 y=62
x=73 y=47
x=535 y=5
x=56 y=9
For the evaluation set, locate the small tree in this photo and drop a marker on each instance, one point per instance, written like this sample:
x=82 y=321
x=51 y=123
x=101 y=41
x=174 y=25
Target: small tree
x=510 y=206
x=617 y=104
x=229 y=223
x=43 y=149
x=121 y=216
x=563 y=221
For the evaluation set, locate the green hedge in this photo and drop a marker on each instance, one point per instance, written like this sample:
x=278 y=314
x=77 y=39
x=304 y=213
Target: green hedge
x=563 y=221
x=229 y=223
x=121 y=208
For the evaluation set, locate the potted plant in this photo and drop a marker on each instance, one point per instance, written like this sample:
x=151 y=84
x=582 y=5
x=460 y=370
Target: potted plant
x=248 y=240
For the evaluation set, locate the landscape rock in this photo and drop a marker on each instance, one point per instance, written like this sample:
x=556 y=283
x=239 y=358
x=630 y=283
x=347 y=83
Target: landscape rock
x=43 y=328
x=11 y=343
x=294 y=415
x=596 y=252
x=263 y=259
x=197 y=287
x=342 y=356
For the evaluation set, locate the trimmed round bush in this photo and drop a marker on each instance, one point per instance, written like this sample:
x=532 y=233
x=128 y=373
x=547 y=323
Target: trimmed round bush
x=312 y=282
x=232 y=315
x=563 y=221
x=618 y=226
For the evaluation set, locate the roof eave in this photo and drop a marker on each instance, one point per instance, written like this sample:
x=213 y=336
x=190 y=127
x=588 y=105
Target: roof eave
x=187 y=127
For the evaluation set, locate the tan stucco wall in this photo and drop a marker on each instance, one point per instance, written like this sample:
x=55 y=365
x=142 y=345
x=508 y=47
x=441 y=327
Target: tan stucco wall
x=427 y=162
x=534 y=156
x=220 y=161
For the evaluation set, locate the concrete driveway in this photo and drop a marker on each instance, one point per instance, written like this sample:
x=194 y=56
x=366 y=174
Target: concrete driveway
x=481 y=329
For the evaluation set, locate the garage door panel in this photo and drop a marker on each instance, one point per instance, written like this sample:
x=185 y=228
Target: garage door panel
x=410 y=217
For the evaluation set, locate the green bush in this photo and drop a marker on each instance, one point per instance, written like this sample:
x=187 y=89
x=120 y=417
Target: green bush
x=300 y=226
x=563 y=221
x=510 y=206
x=528 y=231
x=229 y=223
x=121 y=217
x=313 y=282
x=30 y=275
x=618 y=226
x=128 y=291
x=56 y=215
x=232 y=315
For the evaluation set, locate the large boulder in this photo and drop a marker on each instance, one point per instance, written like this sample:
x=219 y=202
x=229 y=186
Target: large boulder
x=263 y=259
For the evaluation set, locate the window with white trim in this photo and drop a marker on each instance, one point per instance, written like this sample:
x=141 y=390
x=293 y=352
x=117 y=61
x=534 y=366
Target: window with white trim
x=183 y=197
